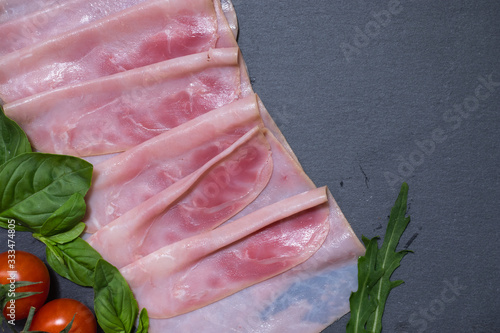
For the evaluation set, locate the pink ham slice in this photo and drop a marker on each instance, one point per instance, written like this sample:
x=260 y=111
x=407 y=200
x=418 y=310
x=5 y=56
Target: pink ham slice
x=200 y=270
x=150 y=32
x=117 y=112
x=193 y=205
x=305 y=299
x=59 y=17
x=54 y=19
x=130 y=178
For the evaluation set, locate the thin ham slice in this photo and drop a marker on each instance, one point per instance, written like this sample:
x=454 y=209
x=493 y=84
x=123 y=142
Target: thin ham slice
x=144 y=34
x=57 y=17
x=130 y=178
x=205 y=268
x=193 y=205
x=54 y=19
x=304 y=299
x=117 y=112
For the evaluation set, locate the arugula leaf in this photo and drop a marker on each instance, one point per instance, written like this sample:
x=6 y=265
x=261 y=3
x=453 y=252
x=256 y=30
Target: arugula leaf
x=35 y=185
x=375 y=269
x=143 y=322
x=114 y=304
x=75 y=260
x=362 y=305
x=13 y=140
x=65 y=217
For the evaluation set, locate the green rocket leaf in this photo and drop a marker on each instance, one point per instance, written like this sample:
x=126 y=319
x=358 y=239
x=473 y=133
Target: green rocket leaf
x=375 y=269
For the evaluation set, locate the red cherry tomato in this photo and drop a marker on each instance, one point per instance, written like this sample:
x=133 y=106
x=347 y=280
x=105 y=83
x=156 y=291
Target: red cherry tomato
x=24 y=266
x=54 y=316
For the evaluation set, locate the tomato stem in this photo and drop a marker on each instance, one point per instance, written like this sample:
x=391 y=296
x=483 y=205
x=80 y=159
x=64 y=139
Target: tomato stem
x=29 y=320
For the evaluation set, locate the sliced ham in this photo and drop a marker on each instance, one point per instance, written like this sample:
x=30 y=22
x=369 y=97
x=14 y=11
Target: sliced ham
x=117 y=112
x=205 y=268
x=57 y=18
x=130 y=178
x=150 y=32
x=193 y=205
x=304 y=299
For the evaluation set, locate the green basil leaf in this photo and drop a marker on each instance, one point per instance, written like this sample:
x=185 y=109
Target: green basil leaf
x=143 y=322
x=35 y=185
x=75 y=260
x=4 y=223
x=65 y=217
x=115 y=306
x=68 y=236
x=13 y=140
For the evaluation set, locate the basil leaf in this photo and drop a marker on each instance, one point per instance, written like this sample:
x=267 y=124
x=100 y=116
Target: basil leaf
x=35 y=185
x=13 y=140
x=114 y=304
x=75 y=260
x=143 y=322
x=68 y=236
x=4 y=223
x=65 y=217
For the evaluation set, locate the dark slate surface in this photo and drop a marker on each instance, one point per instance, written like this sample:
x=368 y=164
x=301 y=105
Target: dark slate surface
x=366 y=105
x=366 y=110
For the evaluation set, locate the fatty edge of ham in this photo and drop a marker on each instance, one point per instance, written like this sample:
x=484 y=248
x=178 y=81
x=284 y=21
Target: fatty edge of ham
x=205 y=268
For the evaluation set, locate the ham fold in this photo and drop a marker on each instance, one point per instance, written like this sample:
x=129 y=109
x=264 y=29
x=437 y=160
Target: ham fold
x=305 y=299
x=130 y=178
x=117 y=112
x=144 y=34
x=193 y=205
x=205 y=268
